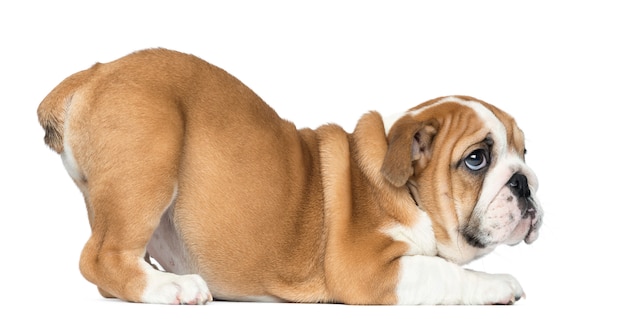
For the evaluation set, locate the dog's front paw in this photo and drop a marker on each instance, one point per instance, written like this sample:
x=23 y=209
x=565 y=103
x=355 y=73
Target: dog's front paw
x=168 y=288
x=498 y=289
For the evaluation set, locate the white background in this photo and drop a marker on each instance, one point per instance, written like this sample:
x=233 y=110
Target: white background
x=558 y=67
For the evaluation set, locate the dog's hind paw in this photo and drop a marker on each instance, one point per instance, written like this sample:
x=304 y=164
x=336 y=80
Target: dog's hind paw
x=168 y=288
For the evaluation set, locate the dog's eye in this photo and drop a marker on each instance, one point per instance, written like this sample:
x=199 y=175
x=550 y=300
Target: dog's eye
x=477 y=160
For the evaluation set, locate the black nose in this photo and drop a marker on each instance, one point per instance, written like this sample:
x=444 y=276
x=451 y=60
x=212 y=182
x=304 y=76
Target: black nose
x=519 y=185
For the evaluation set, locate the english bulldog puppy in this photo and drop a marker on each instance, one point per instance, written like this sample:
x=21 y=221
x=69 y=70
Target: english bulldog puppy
x=181 y=163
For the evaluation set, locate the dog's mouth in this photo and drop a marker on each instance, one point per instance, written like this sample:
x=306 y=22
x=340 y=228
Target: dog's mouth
x=533 y=214
x=508 y=219
x=528 y=227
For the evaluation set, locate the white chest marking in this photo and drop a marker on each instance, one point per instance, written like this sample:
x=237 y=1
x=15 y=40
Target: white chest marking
x=420 y=237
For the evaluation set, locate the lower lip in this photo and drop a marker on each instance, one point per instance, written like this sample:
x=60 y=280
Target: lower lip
x=531 y=237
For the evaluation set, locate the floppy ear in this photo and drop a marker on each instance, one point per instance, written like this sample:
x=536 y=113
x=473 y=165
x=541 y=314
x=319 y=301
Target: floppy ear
x=408 y=141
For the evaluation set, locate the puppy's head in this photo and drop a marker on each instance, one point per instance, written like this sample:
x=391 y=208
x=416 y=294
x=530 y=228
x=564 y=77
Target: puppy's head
x=463 y=162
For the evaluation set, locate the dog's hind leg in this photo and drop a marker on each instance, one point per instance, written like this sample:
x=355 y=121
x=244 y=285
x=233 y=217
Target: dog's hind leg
x=128 y=167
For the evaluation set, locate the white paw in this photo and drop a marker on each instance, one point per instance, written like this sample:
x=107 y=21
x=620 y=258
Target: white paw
x=168 y=288
x=499 y=289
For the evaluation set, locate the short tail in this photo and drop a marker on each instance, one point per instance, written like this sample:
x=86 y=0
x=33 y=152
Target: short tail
x=52 y=110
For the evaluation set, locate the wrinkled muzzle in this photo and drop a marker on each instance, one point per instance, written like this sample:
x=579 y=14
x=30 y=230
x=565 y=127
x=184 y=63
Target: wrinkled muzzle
x=513 y=215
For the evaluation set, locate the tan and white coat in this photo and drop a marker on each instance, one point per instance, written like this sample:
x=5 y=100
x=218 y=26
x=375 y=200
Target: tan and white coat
x=180 y=161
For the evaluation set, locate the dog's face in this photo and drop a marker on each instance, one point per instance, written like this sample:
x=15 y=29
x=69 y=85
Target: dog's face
x=463 y=161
